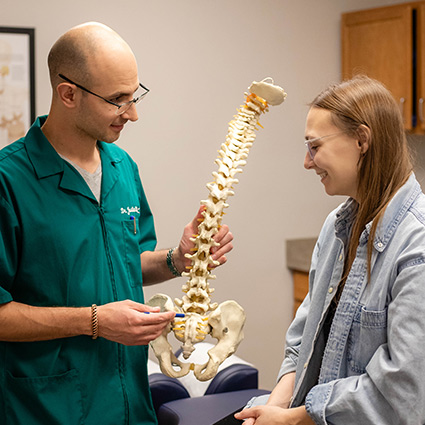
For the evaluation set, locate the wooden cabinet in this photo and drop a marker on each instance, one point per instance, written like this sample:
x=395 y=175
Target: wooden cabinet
x=388 y=44
x=298 y=258
x=300 y=288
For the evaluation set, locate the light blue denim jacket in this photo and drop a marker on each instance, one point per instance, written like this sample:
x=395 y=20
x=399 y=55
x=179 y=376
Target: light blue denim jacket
x=373 y=367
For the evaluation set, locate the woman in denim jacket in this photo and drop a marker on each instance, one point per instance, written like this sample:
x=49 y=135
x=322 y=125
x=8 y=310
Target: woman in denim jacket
x=355 y=350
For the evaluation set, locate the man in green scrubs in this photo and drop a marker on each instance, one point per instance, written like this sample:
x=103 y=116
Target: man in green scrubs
x=77 y=240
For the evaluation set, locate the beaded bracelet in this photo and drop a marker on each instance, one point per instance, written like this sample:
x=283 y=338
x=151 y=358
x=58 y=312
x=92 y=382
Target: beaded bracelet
x=170 y=262
x=94 y=322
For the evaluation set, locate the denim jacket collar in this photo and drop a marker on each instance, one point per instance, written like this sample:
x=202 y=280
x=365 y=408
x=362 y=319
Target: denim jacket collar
x=394 y=213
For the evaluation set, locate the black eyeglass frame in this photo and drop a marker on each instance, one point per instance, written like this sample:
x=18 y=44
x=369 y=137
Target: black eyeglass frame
x=119 y=106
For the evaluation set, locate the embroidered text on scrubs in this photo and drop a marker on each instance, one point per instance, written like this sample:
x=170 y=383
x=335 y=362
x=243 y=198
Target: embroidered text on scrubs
x=130 y=210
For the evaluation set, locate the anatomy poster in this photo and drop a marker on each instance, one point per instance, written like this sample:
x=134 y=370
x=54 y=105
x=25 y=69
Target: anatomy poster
x=16 y=83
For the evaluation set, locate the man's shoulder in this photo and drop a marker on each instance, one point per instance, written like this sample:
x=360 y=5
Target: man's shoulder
x=10 y=151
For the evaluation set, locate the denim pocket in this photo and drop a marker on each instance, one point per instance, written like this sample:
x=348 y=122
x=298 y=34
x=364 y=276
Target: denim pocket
x=53 y=400
x=368 y=333
x=131 y=252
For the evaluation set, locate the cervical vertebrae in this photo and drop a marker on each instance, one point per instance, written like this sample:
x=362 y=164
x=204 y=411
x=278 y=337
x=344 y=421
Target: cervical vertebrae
x=225 y=321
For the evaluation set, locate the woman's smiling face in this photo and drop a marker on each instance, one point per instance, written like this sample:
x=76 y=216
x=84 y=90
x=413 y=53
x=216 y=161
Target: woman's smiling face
x=336 y=157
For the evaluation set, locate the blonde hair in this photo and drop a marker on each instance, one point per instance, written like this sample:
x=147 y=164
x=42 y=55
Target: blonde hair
x=386 y=165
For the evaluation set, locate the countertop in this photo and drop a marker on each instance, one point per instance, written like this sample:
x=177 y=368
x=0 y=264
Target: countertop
x=298 y=253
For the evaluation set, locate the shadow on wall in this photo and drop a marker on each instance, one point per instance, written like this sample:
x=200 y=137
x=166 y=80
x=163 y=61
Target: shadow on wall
x=417 y=145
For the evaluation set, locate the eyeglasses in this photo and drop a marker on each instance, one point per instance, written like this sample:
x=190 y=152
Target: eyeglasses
x=310 y=143
x=121 y=107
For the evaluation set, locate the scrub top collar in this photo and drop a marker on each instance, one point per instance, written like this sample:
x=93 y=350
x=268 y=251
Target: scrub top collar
x=47 y=162
x=44 y=158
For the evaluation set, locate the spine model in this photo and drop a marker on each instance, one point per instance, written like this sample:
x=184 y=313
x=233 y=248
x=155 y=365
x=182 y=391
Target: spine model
x=232 y=156
x=225 y=321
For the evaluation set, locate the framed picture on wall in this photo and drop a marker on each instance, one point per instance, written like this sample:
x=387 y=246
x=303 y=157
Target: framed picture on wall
x=17 y=83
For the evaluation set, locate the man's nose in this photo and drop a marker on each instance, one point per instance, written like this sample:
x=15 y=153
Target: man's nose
x=131 y=113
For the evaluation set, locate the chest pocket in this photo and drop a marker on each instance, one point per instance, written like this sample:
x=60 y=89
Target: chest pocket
x=368 y=332
x=131 y=252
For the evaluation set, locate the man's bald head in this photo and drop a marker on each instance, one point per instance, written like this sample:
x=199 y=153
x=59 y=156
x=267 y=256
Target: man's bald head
x=75 y=53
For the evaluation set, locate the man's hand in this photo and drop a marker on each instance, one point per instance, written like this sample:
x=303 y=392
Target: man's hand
x=218 y=253
x=125 y=322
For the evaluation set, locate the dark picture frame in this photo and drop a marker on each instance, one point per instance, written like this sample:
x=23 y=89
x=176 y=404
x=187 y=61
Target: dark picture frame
x=17 y=82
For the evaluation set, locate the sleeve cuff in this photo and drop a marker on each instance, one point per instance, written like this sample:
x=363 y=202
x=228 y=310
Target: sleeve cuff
x=289 y=365
x=316 y=401
x=5 y=297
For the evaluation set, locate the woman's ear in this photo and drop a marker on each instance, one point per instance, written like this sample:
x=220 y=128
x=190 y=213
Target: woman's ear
x=67 y=94
x=363 y=134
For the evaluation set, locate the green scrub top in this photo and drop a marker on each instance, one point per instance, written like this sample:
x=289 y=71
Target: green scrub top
x=60 y=247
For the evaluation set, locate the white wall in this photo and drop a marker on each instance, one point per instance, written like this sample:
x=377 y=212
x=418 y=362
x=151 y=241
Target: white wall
x=198 y=57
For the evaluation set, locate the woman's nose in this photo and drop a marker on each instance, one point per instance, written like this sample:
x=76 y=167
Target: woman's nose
x=308 y=161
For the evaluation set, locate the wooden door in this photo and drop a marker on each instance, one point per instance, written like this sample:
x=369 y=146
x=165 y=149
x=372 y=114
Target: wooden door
x=378 y=43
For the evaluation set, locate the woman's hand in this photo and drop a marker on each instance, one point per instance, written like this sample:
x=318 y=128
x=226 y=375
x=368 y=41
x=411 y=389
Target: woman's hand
x=273 y=415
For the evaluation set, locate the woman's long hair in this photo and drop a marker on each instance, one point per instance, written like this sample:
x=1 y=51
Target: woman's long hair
x=386 y=165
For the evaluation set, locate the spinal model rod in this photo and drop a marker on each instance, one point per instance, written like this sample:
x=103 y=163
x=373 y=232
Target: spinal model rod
x=225 y=321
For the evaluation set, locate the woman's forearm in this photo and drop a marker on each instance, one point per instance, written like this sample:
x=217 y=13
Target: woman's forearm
x=282 y=394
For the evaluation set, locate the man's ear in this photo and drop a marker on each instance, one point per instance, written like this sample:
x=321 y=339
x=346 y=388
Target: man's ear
x=364 y=135
x=67 y=94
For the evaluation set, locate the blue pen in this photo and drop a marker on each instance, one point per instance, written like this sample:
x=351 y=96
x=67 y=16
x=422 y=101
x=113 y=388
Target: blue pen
x=177 y=314
x=134 y=221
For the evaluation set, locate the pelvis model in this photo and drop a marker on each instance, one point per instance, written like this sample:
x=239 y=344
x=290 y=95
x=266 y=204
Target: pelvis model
x=225 y=321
